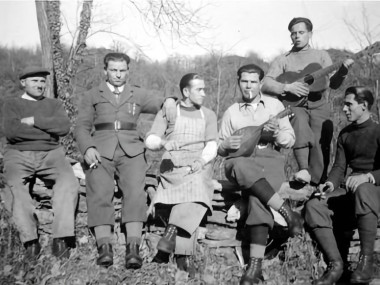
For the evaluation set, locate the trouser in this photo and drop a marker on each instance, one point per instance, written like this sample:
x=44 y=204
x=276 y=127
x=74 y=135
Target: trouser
x=130 y=176
x=19 y=167
x=186 y=216
x=314 y=130
x=339 y=211
x=245 y=171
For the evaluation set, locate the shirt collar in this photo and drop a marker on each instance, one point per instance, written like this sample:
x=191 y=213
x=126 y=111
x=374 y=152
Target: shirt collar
x=27 y=97
x=243 y=104
x=112 y=88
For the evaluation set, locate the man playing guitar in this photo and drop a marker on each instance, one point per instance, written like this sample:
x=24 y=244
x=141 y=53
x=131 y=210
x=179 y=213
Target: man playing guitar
x=312 y=125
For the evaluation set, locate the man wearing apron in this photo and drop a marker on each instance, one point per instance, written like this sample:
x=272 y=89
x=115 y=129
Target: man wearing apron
x=260 y=175
x=185 y=171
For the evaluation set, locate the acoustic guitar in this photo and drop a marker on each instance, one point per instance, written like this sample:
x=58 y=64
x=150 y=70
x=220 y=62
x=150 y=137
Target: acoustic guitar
x=251 y=136
x=316 y=77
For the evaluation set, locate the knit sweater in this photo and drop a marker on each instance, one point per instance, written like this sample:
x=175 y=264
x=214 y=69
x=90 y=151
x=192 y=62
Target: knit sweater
x=50 y=122
x=296 y=62
x=358 y=147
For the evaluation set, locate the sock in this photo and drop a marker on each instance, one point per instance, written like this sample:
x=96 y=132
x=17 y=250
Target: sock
x=103 y=234
x=258 y=240
x=302 y=157
x=327 y=242
x=367 y=227
x=275 y=202
x=262 y=190
x=134 y=232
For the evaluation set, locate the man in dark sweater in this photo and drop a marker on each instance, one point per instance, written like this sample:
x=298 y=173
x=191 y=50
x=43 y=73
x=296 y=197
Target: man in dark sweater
x=333 y=215
x=32 y=125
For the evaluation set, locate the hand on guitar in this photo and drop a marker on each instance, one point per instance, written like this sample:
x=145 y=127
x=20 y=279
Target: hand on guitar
x=347 y=63
x=233 y=142
x=272 y=125
x=297 y=88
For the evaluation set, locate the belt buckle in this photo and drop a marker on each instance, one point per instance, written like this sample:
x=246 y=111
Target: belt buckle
x=117 y=125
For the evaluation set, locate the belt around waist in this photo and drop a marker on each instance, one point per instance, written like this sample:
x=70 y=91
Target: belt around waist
x=117 y=125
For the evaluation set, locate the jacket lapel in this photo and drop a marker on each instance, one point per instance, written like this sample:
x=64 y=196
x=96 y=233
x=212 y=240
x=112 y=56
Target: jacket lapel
x=126 y=94
x=106 y=93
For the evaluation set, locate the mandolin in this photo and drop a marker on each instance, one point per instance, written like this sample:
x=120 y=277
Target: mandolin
x=316 y=77
x=251 y=136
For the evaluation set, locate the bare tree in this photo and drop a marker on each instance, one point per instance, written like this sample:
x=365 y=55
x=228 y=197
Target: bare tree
x=47 y=61
x=365 y=34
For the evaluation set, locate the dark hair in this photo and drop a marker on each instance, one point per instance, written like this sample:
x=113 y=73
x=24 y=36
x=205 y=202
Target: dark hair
x=250 y=68
x=116 y=56
x=294 y=21
x=361 y=94
x=186 y=79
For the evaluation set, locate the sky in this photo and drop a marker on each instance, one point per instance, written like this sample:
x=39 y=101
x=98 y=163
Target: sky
x=229 y=26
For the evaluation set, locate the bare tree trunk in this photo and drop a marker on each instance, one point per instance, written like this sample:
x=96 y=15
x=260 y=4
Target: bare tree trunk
x=65 y=69
x=47 y=61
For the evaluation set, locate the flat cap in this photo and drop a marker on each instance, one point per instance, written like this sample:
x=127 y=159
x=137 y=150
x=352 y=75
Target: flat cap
x=308 y=23
x=31 y=71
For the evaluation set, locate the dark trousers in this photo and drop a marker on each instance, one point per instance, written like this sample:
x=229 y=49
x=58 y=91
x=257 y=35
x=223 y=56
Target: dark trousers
x=130 y=177
x=341 y=208
x=245 y=171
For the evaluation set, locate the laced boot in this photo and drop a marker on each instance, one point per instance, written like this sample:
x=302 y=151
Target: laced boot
x=60 y=248
x=364 y=271
x=32 y=250
x=293 y=220
x=253 y=274
x=167 y=242
x=332 y=274
x=133 y=259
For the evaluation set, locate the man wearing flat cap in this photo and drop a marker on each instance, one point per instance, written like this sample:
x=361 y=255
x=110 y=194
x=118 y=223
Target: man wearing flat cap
x=312 y=124
x=32 y=125
x=115 y=151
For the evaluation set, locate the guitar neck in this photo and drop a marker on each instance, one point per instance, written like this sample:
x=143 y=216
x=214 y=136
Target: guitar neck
x=282 y=114
x=324 y=71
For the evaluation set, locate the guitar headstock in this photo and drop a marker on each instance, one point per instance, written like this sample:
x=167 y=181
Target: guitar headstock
x=369 y=51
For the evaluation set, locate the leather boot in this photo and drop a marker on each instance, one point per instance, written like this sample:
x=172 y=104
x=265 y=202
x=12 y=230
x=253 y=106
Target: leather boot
x=167 y=242
x=161 y=257
x=364 y=271
x=133 y=259
x=332 y=274
x=32 y=250
x=60 y=248
x=105 y=255
x=293 y=220
x=253 y=274
x=186 y=263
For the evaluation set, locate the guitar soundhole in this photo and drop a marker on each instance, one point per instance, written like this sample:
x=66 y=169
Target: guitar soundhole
x=309 y=79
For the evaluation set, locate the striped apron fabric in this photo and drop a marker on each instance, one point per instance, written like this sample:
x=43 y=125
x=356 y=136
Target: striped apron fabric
x=177 y=185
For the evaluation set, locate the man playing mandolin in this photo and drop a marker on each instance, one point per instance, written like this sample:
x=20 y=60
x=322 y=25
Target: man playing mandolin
x=311 y=123
x=259 y=174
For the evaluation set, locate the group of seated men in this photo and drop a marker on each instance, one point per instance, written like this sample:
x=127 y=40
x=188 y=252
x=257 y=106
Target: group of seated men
x=107 y=137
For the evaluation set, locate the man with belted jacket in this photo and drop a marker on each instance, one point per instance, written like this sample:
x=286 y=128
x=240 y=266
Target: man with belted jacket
x=108 y=139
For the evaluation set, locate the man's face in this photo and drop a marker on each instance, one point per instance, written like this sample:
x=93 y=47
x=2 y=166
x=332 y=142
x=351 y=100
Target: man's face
x=353 y=110
x=300 y=35
x=195 y=92
x=117 y=72
x=34 y=86
x=249 y=84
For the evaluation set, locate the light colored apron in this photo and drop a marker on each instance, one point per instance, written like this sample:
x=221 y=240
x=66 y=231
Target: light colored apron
x=177 y=185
